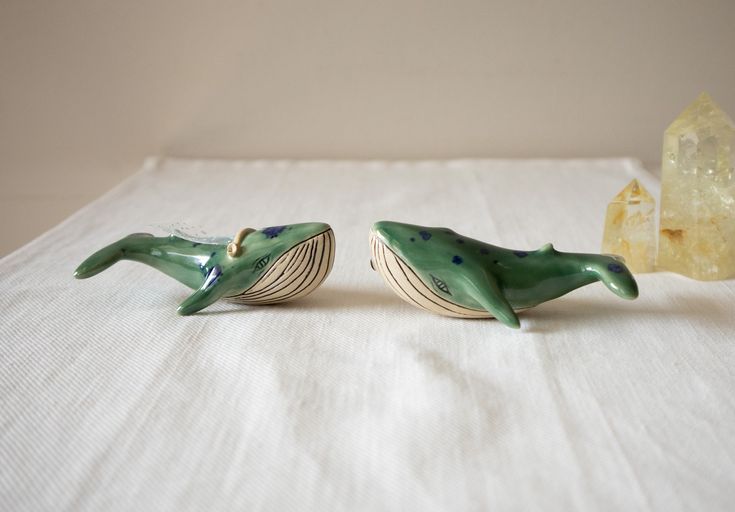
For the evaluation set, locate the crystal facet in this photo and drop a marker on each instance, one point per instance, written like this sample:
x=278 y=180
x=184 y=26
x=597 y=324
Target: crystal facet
x=697 y=231
x=630 y=228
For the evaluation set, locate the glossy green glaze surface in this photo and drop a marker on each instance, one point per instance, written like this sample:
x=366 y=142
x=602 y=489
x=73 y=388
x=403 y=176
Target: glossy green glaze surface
x=483 y=279
x=281 y=262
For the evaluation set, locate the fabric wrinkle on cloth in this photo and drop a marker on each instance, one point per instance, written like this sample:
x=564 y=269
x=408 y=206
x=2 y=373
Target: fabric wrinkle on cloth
x=351 y=399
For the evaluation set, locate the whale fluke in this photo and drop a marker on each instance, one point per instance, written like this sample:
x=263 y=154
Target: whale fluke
x=616 y=277
x=106 y=257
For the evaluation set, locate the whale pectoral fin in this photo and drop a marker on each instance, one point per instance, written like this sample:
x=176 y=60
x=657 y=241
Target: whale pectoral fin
x=489 y=295
x=205 y=296
x=198 y=300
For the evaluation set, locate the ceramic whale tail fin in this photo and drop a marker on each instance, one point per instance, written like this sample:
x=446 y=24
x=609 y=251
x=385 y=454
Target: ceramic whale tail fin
x=105 y=257
x=615 y=275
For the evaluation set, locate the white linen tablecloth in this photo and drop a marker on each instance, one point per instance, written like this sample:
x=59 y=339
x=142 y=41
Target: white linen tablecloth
x=352 y=399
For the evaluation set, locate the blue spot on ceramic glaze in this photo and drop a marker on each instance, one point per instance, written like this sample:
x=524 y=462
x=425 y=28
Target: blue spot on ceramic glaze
x=212 y=255
x=614 y=267
x=425 y=235
x=484 y=251
x=412 y=239
x=520 y=254
x=460 y=241
x=213 y=276
x=195 y=244
x=273 y=231
x=457 y=260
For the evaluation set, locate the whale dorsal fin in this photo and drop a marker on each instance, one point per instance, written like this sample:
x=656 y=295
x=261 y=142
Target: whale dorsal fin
x=547 y=248
x=485 y=290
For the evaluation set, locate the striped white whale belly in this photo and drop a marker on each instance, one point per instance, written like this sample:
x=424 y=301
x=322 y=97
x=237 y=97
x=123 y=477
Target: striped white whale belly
x=408 y=286
x=297 y=273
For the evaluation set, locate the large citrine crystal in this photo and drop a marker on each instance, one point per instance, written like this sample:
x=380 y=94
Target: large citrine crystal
x=697 y=227
x=630 y=228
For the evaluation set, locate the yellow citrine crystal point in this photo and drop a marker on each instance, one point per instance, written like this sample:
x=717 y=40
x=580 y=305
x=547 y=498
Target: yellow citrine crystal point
x=697 y=227
x=630 y=228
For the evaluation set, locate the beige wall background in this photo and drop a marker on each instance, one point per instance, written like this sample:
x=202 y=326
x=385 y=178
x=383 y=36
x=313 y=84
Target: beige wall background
x=89 y=88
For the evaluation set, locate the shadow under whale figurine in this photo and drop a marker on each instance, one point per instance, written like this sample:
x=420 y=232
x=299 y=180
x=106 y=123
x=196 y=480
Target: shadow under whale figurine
x=446 y=273
x=266 y=266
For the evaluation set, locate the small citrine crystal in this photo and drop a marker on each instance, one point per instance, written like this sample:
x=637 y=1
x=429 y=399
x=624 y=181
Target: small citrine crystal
x=630 y=228
x=697 y=230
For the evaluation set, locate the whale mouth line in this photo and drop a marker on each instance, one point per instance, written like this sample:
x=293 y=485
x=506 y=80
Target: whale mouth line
x=295 y=274
x=407 y=284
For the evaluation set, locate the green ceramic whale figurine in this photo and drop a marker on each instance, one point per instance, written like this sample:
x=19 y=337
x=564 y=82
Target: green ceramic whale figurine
x=267 y=266
x=444 y=272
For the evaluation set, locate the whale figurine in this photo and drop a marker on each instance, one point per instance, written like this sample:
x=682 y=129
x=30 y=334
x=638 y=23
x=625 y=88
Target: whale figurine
x=266 y=266
x=444 y=272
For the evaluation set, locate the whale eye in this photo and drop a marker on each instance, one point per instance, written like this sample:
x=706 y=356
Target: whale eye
x=262 y=262
x=440 y=285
